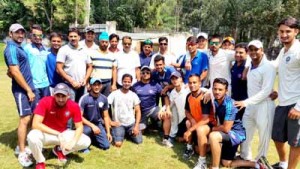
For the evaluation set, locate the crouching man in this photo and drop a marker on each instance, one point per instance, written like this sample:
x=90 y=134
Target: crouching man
x=49 y=127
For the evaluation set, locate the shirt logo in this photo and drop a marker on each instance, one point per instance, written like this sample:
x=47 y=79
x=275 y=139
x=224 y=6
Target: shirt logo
x=151 y=91
x=100 y=104
x=52 y=112
x=67 y=113
x=288 y=59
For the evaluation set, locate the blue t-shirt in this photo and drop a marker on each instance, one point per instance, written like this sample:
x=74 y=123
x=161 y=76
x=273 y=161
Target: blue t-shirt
x=93 y=107
x=53 y=76
x=199 y=64
x=238 y=86
x=148 y=94
x=37 y=60
x=145 y=60
x=228 y=112
x=165 y=79
x=15 y=56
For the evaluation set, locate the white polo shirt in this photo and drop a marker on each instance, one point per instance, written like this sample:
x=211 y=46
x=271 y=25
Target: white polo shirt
x=169 y=59
x=288 y=65
x=177 y=100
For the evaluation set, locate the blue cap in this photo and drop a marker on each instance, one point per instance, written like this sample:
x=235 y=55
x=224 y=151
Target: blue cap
x=94 y=80
x=104 y=36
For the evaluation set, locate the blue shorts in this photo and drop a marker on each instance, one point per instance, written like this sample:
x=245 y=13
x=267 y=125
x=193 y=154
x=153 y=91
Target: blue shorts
x=119 y=133
x=228 y=150
x=25 y=107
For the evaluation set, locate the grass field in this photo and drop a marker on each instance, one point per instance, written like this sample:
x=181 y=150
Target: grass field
x=149 y=155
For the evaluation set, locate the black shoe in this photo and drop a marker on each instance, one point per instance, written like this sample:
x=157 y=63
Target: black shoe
x=276 y=166
x=264 y=161
x=188 y=153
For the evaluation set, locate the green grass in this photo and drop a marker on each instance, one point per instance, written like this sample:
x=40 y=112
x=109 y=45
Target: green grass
x=149 y=155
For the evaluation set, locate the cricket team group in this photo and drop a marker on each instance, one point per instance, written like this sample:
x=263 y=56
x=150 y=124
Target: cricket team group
x=213 y=98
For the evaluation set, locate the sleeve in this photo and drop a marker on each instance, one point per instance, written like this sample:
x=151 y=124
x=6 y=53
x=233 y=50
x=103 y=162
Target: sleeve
x=187 y=105
x=88 y=59
x=230 y=55
x=105 y=106
x=152 y=61
x=231 y=111
x=159 y=89
x=76 y=113
x=136 y=99
x=41 y=108
x=61 y=57
x=206 y=108
x=137 y=60
x=114 y=60
x=204 y=62
x=267 y=87
x=10 y=55
x=110 y=98
x=248 y=61
x=275 y=62
x=82 y=103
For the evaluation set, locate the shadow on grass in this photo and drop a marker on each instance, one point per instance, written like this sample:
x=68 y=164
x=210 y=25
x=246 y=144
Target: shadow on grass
x=9 y=138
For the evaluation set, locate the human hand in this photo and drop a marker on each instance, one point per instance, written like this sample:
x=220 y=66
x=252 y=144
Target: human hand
x=188 y=65
x=187 y=135
x=294 y=114
x=273 y=95
x=96 y=130
x=109 y=137
x=113 y=88
x=31 y=95
x=136 y=130
x=239 y=104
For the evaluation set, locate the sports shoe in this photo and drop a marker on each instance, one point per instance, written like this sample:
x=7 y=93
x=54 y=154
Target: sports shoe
x=200 y=165
x=27 y=150
x=167 y=143
x=277 y=166
x=40 y=166
x=188 y=153
x=60 y=156
x=264 y=161
x=25 y=159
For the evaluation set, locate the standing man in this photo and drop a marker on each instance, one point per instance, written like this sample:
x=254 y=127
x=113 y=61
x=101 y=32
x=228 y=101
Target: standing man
x=88 y=43
x=94 y=107
x=53 y=76
x=49 y=127
x=22 y=87
x=148 y=91
x=74 y=65
x=286 y=126
x=128 y=61
x=146 y=53
x=260 y=107
x=37 y=56
x=202 y=38
x=126 y=113
x=104 y=66
x=170 y=58
x=113 y=43
x=228 y=43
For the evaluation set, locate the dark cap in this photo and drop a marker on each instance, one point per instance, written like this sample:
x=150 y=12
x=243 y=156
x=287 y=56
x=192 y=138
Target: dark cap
x=145 y=67
x=61 y=88
x=89 y=29
x=94 y=80
x=176 y=74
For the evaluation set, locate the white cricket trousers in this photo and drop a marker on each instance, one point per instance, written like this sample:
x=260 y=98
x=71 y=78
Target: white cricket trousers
x=258 y=117
x=176 y=118
x=37 y=140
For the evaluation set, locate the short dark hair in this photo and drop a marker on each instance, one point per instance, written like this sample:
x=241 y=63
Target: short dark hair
x=194 y=75
x=162 y=39
x=126 y=37
x=242 y=45
x=159 y=58
x=113 y=35
x=126 y=75
x=192 y=39
x=216 y=36
x=36 y=26
x=75 y=30
x=290 y=22
x=54 y=35
x=221 y=81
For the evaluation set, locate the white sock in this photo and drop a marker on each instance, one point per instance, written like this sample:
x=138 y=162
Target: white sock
x=189 y=146
x=283 y=164
x=202 y=159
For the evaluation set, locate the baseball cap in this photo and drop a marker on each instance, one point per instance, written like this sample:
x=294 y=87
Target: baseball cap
x=94 y=80
x=176 y=74
x=202 y=34
x=255 y=43
x=229 y=39
x=145 y=67
x=104 y=36
x=89 y=29
x=148 y=42
x=15 y=27
x=61 y=88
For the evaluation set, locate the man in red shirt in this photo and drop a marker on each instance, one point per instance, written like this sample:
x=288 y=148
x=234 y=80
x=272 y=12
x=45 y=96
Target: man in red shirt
x=49 y=126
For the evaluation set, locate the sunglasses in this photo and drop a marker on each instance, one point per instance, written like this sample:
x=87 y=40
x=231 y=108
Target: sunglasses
x=163 y=44
x=146 y=72
x=127 y=44
x=38 y=35
x=214 y=43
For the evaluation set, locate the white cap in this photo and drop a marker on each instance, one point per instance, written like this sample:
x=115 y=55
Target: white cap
x=256 y=43
x=203 y=34
x=15 y=27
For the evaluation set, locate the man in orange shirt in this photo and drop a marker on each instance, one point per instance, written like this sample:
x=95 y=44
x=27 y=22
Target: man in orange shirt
x=199 y=117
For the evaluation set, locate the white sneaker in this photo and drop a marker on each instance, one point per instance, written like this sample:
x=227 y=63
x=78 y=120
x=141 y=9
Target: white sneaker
x=200 y=165
x=167 y=143
x=25 y=159
x=27 y=150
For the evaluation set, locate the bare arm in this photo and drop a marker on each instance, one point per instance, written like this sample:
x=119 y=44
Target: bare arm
x=203 y=121
x=226 y=127
x=136 y=128
x=138 y=73
x=89 y=70
x=203 y=75
x=107 y=125
x=114 y=78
